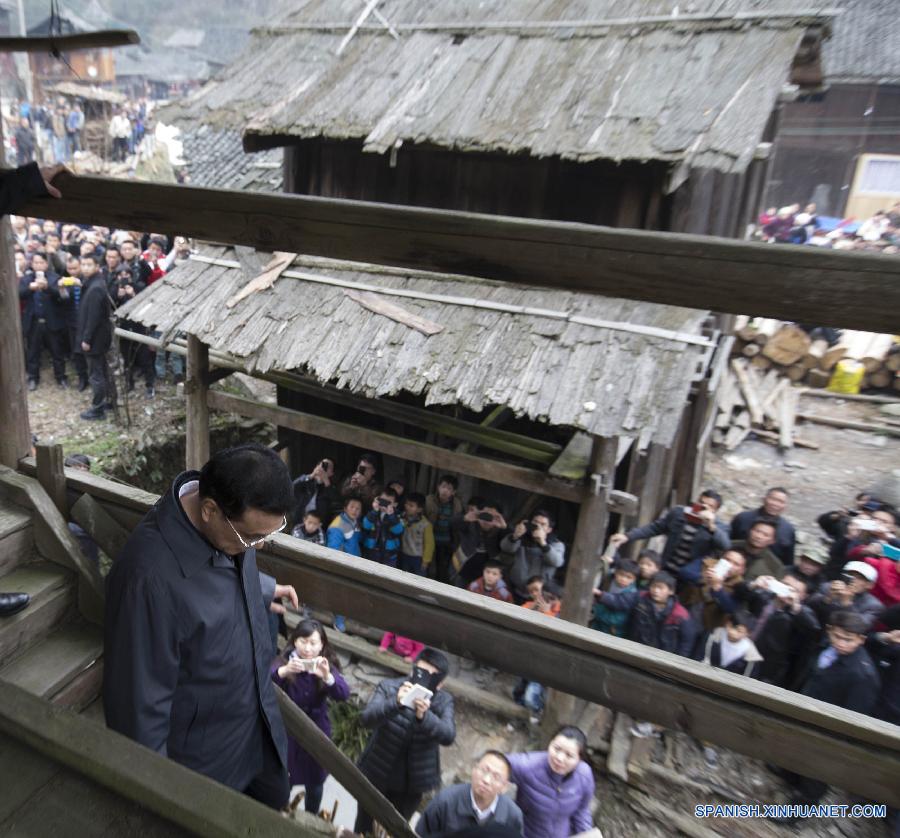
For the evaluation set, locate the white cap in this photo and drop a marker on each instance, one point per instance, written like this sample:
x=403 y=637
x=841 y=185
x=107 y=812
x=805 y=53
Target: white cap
x=865 y=570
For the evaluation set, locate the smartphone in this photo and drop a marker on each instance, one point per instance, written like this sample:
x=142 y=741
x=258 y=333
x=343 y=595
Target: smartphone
x=417 y=692
x=890 y=552
x=721 y=568
x=780 y=589
x=692 y=513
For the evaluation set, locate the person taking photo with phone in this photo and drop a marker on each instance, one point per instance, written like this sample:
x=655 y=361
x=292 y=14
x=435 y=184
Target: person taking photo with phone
x=309 y=672
x=535 y=551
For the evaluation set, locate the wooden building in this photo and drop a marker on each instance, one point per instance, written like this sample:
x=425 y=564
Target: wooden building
x=839 y=145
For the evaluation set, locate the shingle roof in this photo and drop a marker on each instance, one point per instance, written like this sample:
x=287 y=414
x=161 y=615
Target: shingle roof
x=865 y=43
x=505 y=75
x=555 y=363
x=215 y=158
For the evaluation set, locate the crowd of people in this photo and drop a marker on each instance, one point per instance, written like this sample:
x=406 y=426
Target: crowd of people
x=71 y=278
x=792 y=225
x=53 y=132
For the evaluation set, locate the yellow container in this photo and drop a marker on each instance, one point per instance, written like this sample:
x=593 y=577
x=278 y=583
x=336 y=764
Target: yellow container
x=847 y=377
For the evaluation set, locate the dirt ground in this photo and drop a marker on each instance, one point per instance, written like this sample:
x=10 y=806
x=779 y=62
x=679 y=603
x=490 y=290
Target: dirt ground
x=847 y=462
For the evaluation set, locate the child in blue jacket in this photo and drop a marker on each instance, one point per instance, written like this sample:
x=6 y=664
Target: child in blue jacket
x=382 y=529
x=612 y=608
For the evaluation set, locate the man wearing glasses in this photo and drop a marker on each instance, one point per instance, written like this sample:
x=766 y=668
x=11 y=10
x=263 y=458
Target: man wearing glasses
x=187 y=645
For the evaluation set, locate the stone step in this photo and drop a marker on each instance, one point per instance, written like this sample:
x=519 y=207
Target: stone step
x=16 y=536
x=49 y=666
x=53 y=597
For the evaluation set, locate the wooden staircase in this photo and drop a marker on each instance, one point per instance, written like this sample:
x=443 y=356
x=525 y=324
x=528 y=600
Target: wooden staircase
x=47 y=649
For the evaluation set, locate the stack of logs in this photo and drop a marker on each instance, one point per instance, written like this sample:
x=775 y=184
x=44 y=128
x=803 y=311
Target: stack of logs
x=763 y=402
x=771 y=344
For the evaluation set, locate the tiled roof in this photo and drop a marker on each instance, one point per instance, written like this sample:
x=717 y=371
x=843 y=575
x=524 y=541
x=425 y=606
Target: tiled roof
x=215 y=158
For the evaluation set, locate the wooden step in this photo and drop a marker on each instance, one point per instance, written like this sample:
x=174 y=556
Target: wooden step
x=52 y=664
x=16 y=539
x=53 y=596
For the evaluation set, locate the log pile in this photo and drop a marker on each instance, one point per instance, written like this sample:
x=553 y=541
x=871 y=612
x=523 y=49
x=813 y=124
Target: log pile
x=787 y=349
x=753 y=400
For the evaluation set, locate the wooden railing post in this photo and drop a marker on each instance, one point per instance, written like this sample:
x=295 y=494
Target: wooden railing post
x=196 y=388
x=51 y=474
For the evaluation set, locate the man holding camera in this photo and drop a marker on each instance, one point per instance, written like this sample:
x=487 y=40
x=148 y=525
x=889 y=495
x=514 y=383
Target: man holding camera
x=479 y=531
x=402 y=758
x=361 y=484
x=382 y=529
x=536 y=551
x=315 y=492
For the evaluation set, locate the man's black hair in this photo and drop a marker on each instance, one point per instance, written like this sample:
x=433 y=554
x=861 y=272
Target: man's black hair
x=627 y=566
x=742 y=617
x=417 y=498
x=498 y=755
x=544 y=514
x=41 y=253
x=449 y=479
x=648 y=553
x=550 y=587
x=496 y=563
x=437 y=659
x=477 y=501
x=349 y=498
x=92 y=255
x=245 y=477
x=113 y=249
x=491 y=503
x=665 y=578
x=387 y=490
x=851 y=621
x=536 y=578
x=778 y=489
x=712 y=493
x=314 y=512
x=576 y=735
x=369 y=458
x=769 y=522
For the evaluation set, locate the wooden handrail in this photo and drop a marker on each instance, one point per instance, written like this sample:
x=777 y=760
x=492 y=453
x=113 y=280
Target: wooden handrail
x=747 y=716
x=176 y=794
x=787 y=282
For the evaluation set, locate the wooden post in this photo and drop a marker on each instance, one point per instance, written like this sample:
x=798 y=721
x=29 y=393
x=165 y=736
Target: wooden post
x=196 y=388
x=15 y=432
x=51 y=475
x=590 y=533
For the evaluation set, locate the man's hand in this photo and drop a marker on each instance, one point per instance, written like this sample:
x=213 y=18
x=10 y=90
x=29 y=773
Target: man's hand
x=519 y=531
x=282 y=591
x=539 y=534
x=471 y=516
x=50 y=172
x=709 y=519
x=421 y=706
x=499 y=521
x=85 y=347
x=120 y=292
x=618 y=539
x=405 y=687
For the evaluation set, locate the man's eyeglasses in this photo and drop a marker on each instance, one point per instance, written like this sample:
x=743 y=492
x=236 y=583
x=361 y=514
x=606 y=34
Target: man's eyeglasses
x=258 y=541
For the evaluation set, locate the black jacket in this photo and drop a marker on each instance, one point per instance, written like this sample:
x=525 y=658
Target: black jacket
x=187 y=649
x=787 y=642
x=450 y=811
x=403 y=753
x=886 y=657
x=785 y=536
x=327 y=500
x=43 y=303
x=670 y=629
x=850 y=682
x=94 y=325
x=671 y=524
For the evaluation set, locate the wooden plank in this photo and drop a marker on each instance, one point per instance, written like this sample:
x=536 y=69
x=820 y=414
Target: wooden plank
x=774 y=437
x=99 y=525
x=329 y=756
x=99 y=39
x=277 y=264
x=787 y=416
x=757 y=719
x=196 y=388
x=394 y=312
x=50 y=474
x=787 y=282
x=751 y=397
x=833 y=422
x=419 y=452
x=461 y=690
x=181 y=797
x=851 y=397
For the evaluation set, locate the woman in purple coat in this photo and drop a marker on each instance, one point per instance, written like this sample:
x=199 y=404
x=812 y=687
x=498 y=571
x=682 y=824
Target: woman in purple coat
x=555 y=787
x=309 y=673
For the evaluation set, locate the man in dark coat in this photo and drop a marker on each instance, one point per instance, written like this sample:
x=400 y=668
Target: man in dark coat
x=402 y=758
x=661 y=621
x=774 y=504
x=24 y=143
x=95 y=334
x=476 y=804
x=691 y=532
x=186 y=644
x=316 y=492
x=43 y=320
x=845 y=676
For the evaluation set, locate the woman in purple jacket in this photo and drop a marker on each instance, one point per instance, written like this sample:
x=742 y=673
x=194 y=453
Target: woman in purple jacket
x=555 y=787
x=309 y=673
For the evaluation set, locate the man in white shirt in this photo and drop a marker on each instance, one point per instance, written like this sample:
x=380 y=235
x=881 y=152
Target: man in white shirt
x=475 y=804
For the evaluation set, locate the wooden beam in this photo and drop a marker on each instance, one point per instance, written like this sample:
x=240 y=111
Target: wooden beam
x=786 y=282
x=196 y=388
x=51 y=474
x=101 y=39
x=192 y=803
x=419 y=452
x=756 y=719
x=848 y=424
x=853 y=397
x=307 y=734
